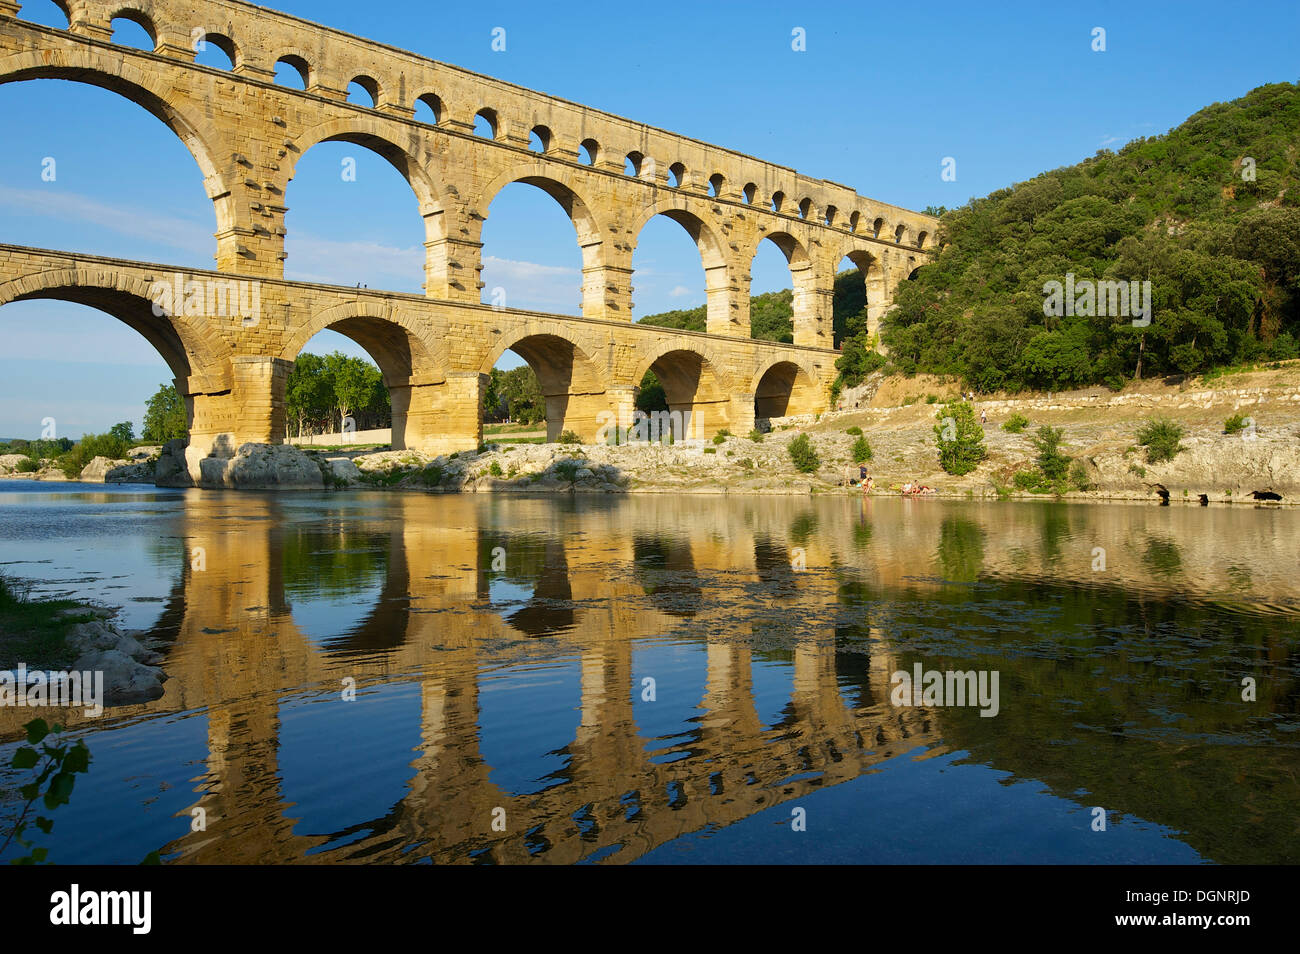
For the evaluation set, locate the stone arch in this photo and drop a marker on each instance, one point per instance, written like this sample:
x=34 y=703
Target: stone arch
x=194 y=353
x=803 y=277
x=139 y=15
x=404 y=346
x=115 y=73
x=785 y=387
x=372 y=133
x=695 y=385
x=410 y=364
x=571 y=382
x=299 y=61
x=564 y=188
x=705 y=235
x=226 y=45
x=872 y=270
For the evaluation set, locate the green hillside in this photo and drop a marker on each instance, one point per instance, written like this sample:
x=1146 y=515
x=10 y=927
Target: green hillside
x=771 y=315
x=1220 y=248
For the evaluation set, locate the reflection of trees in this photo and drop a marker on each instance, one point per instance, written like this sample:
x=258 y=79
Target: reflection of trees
x=961 y=549
x=665 y=570
x=1106 y=693
x=1162 y=557
x=1055 y=528
x=332 y=563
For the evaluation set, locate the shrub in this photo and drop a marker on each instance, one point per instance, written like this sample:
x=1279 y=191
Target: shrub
x=27 y=466
x=960 y=438
x=1234 y=424
x=932 y=399
x=1137 y=469
x=804 y=455
x=756 y=436
x=569 y=437
x=1027 y=479
x=1079 y=476
x=710 y=450
x=861 y=450
x=1015 y=424
x=854 y=431
x=746 y=463
x=568 y=469
x=719 y=438
x=1160 y=436
x=1051 y=461
x=495 y=470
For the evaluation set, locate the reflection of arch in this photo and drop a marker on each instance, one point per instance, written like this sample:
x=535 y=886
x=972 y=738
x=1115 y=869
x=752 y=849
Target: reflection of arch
x=784 y=389
x=115 y=73
x=187 y=349
x=540 y=564
x=665 y=568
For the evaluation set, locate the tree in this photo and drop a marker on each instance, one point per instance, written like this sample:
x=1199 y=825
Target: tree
x=804 y=455
x=1051 y=460
x=124 y=432
x=523 y=395
x=165 y=418
x=309 y=391
x=960 y=438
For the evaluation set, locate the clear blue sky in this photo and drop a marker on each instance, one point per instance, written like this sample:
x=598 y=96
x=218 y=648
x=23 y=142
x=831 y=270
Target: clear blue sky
x=881 y=95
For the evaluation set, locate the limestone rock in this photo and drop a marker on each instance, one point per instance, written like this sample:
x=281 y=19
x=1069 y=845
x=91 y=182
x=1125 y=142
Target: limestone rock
x=171 y=470
x=262 y=467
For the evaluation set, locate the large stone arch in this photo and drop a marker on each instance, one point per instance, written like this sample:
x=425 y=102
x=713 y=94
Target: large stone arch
x=872 y=270
x=785 y=387
x=410 y=361
x=695 y=382
x=566 y=189
x=196 y=354
x=810 y=304
x=198 y=357
x=373 y=133
x=117 y=74
x=571 y=380
x=706 y=234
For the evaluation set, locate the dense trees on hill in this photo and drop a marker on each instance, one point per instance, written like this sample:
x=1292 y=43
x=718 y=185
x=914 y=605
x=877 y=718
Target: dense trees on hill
x=1209 y=214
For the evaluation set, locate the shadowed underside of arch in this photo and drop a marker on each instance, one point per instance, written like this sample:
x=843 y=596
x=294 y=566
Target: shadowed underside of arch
x=785 y=390
x=571 y=384
x=694 y=389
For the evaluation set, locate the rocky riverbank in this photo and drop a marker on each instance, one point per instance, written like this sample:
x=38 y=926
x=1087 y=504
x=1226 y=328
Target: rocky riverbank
x=895 y=415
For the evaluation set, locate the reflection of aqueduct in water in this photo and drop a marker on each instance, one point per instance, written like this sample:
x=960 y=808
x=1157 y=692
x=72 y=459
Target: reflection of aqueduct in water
x=598 y=580
x=433 y=623
x=610 y=175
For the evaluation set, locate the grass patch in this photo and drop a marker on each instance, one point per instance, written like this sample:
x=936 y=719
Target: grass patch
x=33 y=631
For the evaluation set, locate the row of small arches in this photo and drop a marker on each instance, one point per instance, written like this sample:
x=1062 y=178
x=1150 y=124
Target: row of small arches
x=294 y=71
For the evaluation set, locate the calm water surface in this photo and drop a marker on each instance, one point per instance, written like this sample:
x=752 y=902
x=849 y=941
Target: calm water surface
x=671 y=679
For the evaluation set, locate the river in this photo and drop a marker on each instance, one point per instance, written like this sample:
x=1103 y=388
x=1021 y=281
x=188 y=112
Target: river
x=395 y=678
